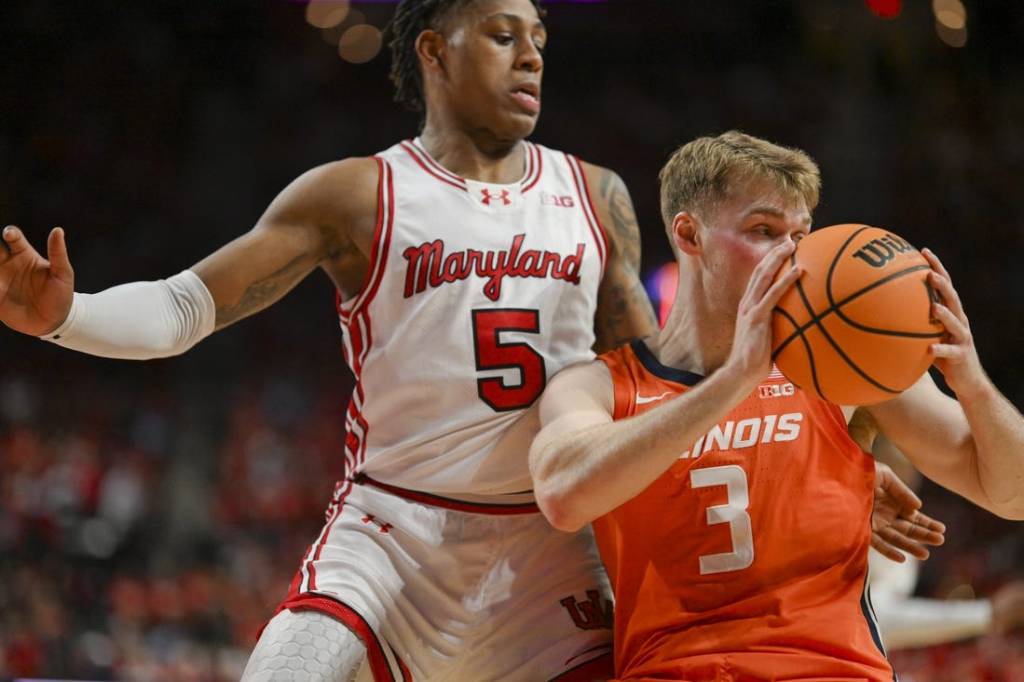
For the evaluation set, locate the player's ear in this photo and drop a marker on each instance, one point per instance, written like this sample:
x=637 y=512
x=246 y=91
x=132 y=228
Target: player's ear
x=684 y=233
x=430 y=47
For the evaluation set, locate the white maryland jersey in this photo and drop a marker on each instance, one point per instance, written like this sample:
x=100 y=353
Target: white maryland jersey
x=476 y=295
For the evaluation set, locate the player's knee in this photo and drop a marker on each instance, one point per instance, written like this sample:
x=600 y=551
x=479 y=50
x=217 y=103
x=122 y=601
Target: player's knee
x=306 y=645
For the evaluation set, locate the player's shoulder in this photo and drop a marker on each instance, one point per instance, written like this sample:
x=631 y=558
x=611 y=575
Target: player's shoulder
x=600 y=179
x=351 y=174
x=591 y=377
x=595 y=175
x=583 y=385
x=336 y=191
x=581 y=374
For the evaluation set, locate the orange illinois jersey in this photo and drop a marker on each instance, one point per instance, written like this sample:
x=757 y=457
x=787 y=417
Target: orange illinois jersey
x=747 y=559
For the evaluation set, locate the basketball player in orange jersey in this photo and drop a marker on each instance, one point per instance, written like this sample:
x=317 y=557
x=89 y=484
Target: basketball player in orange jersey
x=471 y=265
x=730 y=508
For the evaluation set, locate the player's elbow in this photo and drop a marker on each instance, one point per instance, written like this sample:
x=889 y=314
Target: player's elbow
x=555 y=495
x=1006 y=500
x=560 y=510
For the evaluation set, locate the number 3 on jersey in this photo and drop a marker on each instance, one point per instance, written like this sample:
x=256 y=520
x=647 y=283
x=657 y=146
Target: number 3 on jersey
x=492 y=353
x=733 y=512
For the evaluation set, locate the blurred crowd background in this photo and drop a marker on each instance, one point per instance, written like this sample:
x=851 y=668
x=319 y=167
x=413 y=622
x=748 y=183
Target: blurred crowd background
x=152 y=514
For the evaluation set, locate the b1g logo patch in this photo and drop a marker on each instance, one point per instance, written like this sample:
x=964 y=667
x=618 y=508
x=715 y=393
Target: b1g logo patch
x=563 y=201
x=775 y=390
x=596 y=613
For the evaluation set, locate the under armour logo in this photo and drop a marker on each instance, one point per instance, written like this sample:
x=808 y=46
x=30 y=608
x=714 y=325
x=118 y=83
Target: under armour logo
x=503 y=195
x=381 y=527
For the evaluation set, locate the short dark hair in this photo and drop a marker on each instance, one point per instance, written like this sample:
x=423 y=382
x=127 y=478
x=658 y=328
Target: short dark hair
x=701 y=174
x=412 y=17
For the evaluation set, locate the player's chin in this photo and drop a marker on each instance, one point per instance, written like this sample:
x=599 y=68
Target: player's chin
x=515 y=125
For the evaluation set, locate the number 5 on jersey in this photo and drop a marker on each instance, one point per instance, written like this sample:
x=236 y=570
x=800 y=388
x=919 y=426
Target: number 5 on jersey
x=494 y=354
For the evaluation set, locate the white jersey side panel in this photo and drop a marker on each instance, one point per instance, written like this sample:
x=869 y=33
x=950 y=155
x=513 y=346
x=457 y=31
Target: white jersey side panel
x=477 y=295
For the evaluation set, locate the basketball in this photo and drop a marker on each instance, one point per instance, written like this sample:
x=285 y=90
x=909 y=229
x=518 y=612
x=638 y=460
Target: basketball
x=857 y=326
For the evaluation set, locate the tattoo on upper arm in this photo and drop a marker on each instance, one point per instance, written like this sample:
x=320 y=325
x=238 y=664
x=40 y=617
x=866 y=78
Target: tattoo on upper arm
x=625 y=232
x=262 y=293
x=624 y=310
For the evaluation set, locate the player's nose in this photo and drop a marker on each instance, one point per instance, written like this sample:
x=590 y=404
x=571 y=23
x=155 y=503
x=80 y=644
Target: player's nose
x=530 y=58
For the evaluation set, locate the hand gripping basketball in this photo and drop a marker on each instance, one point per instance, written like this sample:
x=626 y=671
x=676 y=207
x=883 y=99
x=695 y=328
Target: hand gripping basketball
x=35 y=292
x=752 y=340
x=956 y=357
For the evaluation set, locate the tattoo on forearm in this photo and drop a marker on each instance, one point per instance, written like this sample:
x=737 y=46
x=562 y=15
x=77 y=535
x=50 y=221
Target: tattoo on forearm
x=264 y=292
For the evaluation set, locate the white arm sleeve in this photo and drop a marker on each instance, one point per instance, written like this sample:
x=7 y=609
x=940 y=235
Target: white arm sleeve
x=906 y=621
x=913 y=622
x=141 y=320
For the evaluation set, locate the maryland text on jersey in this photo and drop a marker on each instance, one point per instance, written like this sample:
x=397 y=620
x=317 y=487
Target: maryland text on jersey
x=428 y=265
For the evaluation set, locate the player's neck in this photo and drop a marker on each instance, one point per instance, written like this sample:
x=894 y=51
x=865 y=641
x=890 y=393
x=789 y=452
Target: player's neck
x=692 y=339
x=476 y=157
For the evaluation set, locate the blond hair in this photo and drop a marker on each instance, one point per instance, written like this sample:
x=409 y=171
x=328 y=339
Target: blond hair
x=703 y=173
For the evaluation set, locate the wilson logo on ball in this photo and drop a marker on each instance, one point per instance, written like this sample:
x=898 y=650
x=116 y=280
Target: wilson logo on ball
x=878 y=252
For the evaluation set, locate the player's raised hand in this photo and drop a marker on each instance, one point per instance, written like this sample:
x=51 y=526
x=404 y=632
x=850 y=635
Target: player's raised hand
x=35 y=292
x=897 y=523
x=752 y=340
x=956 y=357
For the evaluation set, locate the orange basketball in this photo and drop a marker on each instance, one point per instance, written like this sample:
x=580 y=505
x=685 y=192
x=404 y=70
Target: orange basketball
x=856 y=328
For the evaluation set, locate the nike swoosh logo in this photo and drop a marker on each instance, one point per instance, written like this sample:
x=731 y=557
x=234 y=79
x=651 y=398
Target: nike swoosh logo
x=642 y=400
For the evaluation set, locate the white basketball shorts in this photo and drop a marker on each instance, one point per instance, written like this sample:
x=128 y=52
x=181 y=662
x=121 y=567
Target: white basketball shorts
x=440 y=589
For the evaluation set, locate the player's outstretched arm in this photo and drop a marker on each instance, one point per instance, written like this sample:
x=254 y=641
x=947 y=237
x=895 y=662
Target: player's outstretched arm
x=584 y=464
x=324 y=218
x=974 y=445
x=624 y=311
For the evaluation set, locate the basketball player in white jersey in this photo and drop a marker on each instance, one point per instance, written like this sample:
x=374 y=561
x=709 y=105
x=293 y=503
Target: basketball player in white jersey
x=471 y=266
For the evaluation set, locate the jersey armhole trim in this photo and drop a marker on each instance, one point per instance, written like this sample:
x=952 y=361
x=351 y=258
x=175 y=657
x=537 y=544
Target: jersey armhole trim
x=842 y=429
x=347 y=310
x=590 y=204
x=583 y=193
x=622 y=390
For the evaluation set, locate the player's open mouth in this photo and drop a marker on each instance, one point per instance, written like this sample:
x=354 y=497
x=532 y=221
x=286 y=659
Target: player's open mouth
x=528 y=97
